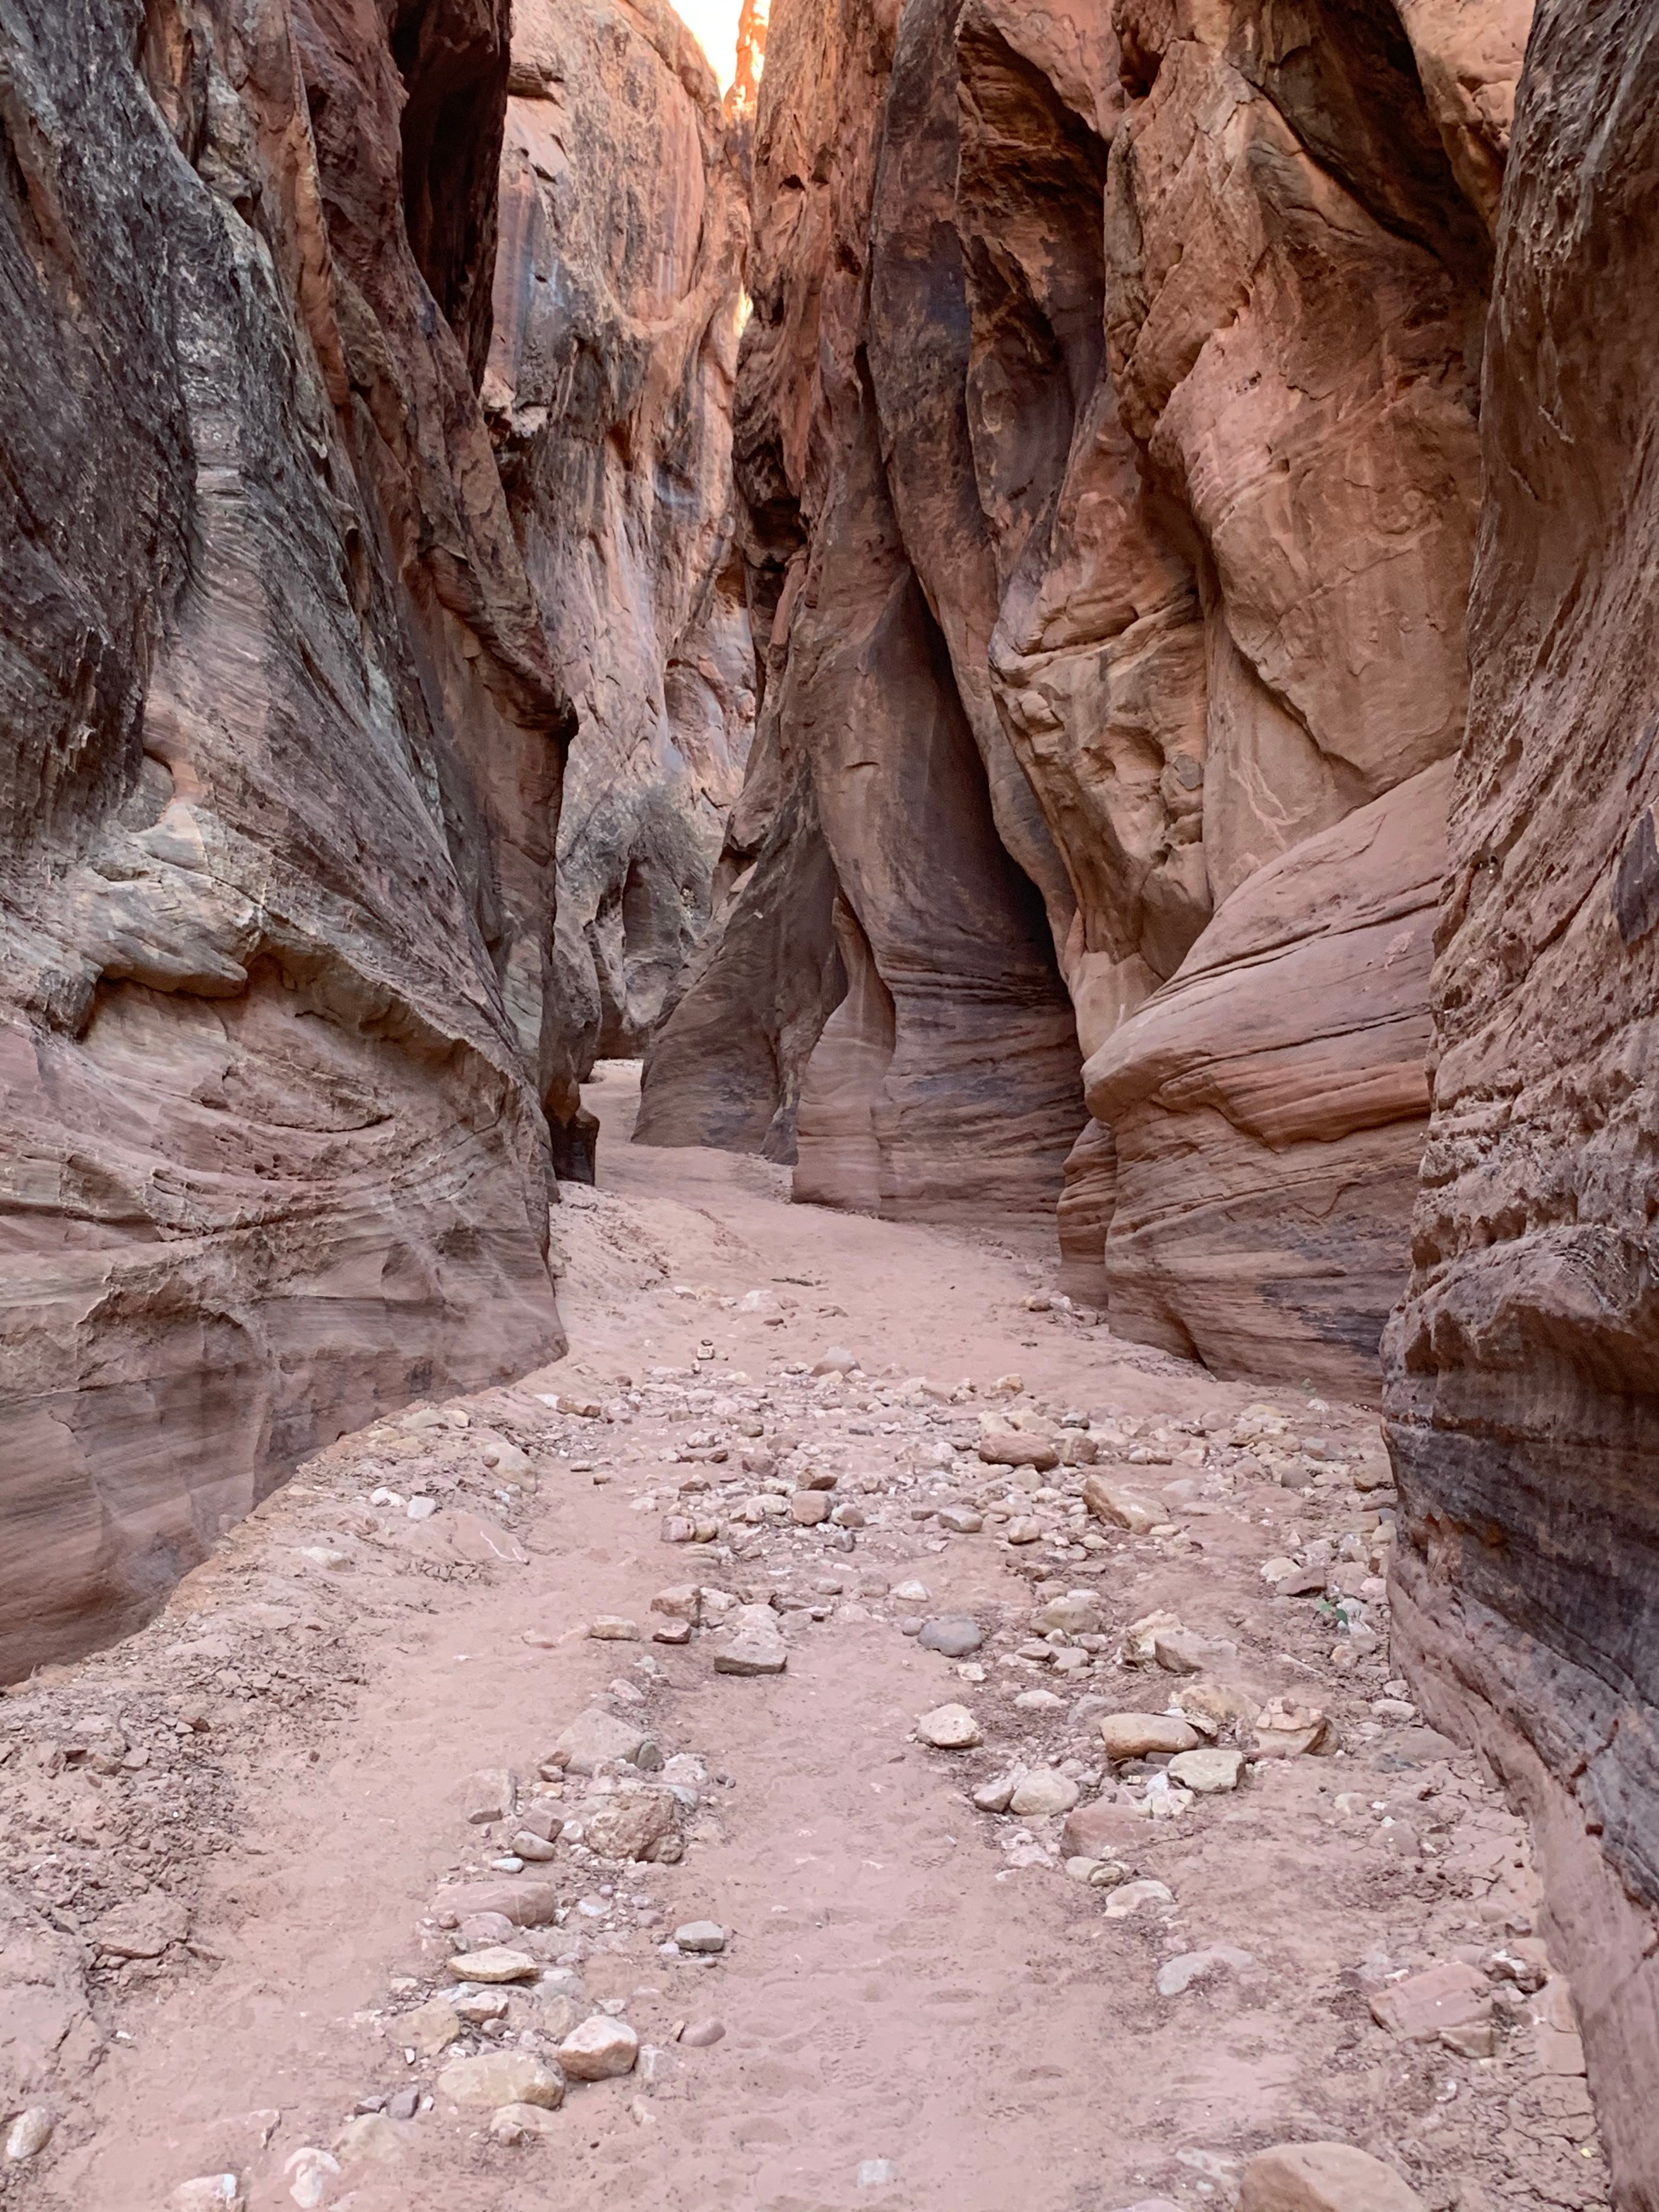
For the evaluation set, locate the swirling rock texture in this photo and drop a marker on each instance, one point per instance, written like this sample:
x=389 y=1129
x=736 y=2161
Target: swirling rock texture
x=1142 y=341
x=624 y=223
x=881 y=1000
x=281 y=779
x=1523 y=1391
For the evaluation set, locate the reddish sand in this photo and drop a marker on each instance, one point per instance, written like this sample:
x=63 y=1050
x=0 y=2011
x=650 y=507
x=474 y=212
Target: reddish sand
x=897 y=1986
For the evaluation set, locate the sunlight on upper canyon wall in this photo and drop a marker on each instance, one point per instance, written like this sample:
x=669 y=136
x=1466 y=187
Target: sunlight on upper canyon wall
x=714 y=24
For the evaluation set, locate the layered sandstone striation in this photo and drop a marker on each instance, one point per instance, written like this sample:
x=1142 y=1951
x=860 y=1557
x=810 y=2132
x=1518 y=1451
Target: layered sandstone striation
x=1524 y=1366
x=617 y=288
x=912 y=1046
x=285 y=745
x=1144 y=340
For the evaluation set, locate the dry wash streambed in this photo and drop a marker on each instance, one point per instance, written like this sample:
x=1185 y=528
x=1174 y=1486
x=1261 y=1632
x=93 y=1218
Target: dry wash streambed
x=854 y=1734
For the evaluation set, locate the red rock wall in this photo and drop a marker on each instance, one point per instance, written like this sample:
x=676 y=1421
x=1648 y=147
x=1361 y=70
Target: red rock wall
x=916 y=1051
x=624 y=226
x=282 y=782
x=1524 y=1366
x=1143 y=340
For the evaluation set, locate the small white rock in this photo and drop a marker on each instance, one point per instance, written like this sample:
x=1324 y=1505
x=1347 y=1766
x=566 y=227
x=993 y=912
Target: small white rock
x=30 y=2133
x=209 y=2192
x=949 y=1728
x=308 y=2173
x=1043 y=1790
x=1131 y=1897
x=497 y=1963
x=1207 y=1772
x=599 y=2050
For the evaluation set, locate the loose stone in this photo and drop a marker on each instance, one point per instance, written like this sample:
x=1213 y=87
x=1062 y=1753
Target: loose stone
x=1177 y=1975
x=955 y=1637
x=209 y=2192
x=1323 y=2177
x=752 y=1643
x=498 y=1964
x=1044 y=1791
x=521 y=2123
x=1132 y=1896
x=1423 y=2007
x=429 y=2030
x=1131 y=1736
x=1206 y=1772
x=595 y=1736
x=30 y=2133
x=599 y=2050
x=949 y=1728
x=496 y=2078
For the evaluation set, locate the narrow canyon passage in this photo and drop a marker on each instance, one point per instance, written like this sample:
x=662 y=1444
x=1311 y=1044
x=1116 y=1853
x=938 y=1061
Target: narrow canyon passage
x=828 y=1105
x=279 y=1814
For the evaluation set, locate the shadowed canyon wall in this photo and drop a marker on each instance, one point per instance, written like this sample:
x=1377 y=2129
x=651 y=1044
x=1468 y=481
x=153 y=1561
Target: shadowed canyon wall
x=285 y=1011
x=1523 y=1395
x=284 y=755
x=624 y=224
x=1106 y=435
x=881 y=998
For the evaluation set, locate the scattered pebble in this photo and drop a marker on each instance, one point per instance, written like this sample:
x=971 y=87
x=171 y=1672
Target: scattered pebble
x=752 y=1643
x=599 y=2050
x=956 y=1637
x=209 y=2192
x=521 y=2123
x=30 y=2133
x=949 y=1727
x=497 y=1964
x=1207 y=1772
x=1044 y=1791
x=1131 y=1736
x=308 y=2173
x=495 y=2078
x=1177 y=1975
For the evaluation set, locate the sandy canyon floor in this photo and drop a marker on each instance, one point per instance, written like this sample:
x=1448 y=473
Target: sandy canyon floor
x=239 y=1853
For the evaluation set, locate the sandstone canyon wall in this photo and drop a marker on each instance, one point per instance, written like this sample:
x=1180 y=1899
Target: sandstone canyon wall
x=282 y=772
x=324 y=522
x=623 y=228
x=1106 y=435
x=1523 y=1393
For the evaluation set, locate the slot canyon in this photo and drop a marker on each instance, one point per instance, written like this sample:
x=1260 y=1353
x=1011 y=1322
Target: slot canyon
x=830 y=885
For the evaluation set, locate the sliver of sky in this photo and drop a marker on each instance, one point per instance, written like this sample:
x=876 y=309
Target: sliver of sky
x=714 y=24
